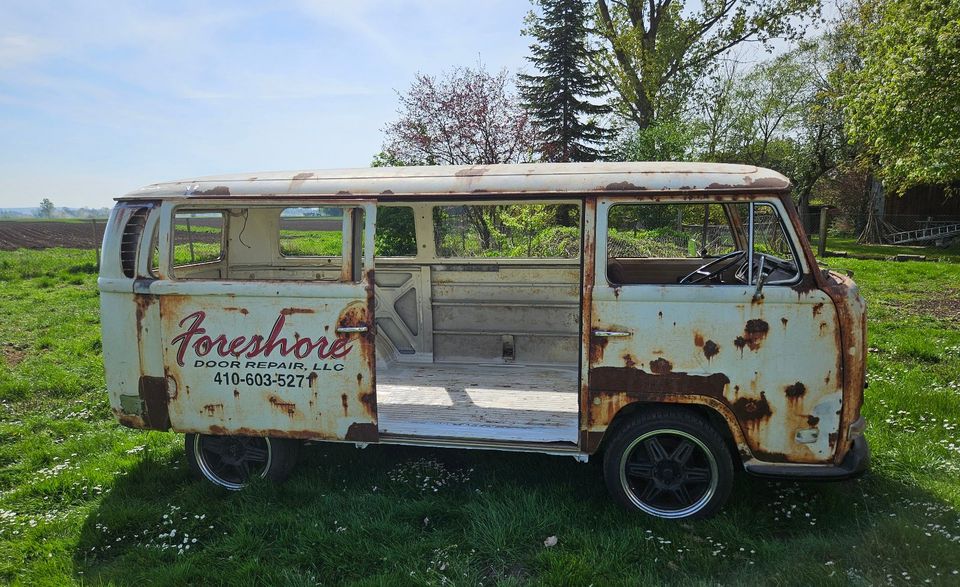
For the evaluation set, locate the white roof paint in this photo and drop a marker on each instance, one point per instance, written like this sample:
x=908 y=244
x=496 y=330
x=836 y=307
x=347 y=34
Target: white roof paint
x=477 y=180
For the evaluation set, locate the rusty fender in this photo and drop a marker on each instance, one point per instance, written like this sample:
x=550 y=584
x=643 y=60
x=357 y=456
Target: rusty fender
x=852 y=343
x=613 y=388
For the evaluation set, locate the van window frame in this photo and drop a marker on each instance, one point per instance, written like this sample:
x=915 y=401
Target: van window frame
x=508 y=201
x=602 y=227
x=167 y=212
x=224 y=230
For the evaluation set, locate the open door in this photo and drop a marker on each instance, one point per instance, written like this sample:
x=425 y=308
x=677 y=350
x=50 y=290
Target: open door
x=260 y=341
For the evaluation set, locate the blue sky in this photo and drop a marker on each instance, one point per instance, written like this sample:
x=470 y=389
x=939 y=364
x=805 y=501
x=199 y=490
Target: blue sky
x=98 y=98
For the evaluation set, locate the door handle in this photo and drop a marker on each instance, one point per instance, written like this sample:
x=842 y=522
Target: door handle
x=351 y=329
x=610 y=333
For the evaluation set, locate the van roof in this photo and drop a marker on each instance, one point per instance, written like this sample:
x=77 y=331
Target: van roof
x=477 y=181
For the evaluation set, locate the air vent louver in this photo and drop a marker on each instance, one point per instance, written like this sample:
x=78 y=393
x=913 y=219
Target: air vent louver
x=130 y=242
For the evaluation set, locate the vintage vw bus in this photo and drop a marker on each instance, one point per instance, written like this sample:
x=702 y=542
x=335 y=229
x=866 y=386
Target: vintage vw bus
x=668 y=315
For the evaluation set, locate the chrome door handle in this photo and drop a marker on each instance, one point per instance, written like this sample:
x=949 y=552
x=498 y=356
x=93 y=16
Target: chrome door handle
x=610 y=333
x=350 y=329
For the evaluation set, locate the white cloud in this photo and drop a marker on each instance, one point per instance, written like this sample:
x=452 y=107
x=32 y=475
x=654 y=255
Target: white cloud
x=20 y=50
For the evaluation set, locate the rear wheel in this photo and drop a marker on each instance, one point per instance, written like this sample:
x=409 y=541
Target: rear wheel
x=669 y=464
x=233 y=461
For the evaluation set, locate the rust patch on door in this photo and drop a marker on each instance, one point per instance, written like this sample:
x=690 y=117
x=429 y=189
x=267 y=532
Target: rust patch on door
x=368 y=399
x=661 y=366
x=362 y=432
x=796 y=391
x=710 y=349
x=153 y=393
x=626 y=380
x=289 y=408
x=751 y=412
x=212 y=409
x=597 y=345
x=753 y=334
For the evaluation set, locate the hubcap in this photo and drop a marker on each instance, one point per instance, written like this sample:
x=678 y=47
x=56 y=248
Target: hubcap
x=668 y=473
x=232 y=461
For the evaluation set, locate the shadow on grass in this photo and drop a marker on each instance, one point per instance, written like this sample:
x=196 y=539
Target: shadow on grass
x=399 y=515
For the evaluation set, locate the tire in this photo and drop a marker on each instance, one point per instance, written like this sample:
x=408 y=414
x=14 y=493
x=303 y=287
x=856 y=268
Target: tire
x=668 y=463
x=232 y=461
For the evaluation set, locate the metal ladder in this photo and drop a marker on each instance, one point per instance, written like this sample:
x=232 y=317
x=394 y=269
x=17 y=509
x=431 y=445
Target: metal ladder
x=924 y=234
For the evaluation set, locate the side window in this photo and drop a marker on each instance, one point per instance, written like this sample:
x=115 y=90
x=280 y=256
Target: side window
x=198 y=241
x=696 y=243
x=769 y=237
x=396 y=233
x=771 y=244
x=673 y=231
x=312 y=232
x=530 y=231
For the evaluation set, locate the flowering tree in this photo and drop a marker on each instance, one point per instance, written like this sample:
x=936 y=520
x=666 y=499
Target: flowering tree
x=466 y=116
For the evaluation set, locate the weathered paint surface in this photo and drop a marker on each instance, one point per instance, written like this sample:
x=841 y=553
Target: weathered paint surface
x=269 y=364
x=492 y=181
x=779 y=370
x=248 y=358
x=775 y=368
x=774 y=380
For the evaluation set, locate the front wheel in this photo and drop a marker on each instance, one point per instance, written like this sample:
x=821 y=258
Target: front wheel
x=669 y=464
x=233 y=461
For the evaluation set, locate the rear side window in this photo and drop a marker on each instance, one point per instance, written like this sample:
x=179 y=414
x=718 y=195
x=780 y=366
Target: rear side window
x=530 y=231
x=198 y=237
x=396 y=235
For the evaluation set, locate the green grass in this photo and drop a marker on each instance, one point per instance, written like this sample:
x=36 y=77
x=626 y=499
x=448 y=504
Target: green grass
x=84 y=500
x=312 y=243
x=847 y=243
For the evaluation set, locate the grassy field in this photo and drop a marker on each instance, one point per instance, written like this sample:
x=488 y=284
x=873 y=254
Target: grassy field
x=83 y=500
x=848 y=244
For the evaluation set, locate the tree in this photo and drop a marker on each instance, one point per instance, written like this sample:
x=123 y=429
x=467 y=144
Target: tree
x=558 y=98
x=465 y=117
x=669 y=139
x=46 y=208
x=904 y=103
x=784 y=113
x=656 y=50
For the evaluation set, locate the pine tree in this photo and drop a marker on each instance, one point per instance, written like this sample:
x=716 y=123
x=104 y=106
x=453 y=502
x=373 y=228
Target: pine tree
x=558 y=97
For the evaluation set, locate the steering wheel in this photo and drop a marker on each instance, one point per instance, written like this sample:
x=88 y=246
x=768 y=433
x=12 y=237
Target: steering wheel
x=771 y=264
x=713 y=268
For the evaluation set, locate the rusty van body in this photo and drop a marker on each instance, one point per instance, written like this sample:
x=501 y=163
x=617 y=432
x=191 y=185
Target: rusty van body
x=671 y=316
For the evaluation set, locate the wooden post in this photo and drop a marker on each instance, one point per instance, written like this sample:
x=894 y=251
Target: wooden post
x=189 y=239
x=822 y=245
x=93 y=224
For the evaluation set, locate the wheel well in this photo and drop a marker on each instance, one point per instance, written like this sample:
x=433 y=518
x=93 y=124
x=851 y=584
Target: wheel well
x=710 y=415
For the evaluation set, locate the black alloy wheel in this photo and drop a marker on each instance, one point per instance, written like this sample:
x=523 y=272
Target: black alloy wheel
x=669 y=464
x=233 y=461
